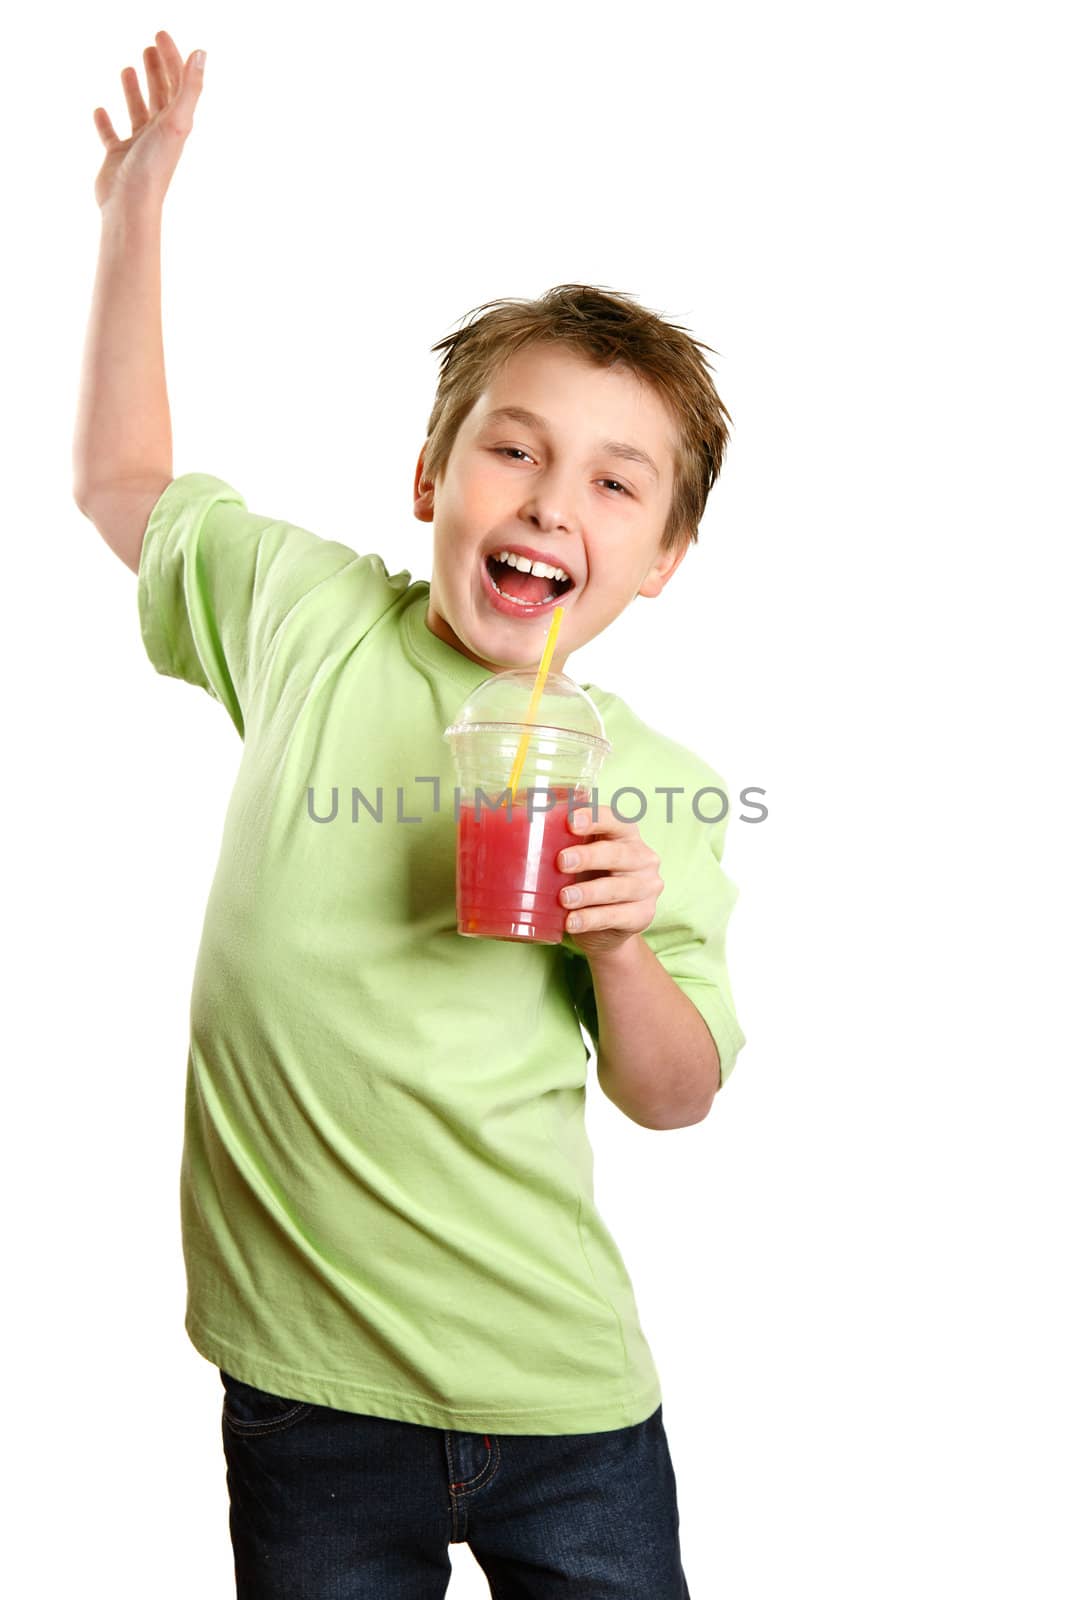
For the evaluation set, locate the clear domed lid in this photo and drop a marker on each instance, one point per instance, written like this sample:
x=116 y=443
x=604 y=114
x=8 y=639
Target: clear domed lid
x=505 y=697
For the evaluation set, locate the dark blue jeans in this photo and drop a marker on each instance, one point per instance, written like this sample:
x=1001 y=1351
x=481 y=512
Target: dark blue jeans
x=335 y=1505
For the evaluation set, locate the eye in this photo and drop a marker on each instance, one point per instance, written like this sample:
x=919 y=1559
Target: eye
x=513 y=450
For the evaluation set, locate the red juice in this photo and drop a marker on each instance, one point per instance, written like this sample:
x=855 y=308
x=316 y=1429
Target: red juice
x=507 y=880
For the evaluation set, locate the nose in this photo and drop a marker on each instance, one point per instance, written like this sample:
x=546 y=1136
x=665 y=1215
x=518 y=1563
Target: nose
x=546 y=507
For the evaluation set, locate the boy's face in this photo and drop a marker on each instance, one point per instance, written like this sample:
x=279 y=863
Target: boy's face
x=557 y=491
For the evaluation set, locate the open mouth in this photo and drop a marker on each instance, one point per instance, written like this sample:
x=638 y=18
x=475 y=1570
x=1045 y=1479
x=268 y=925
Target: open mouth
x=532 y=590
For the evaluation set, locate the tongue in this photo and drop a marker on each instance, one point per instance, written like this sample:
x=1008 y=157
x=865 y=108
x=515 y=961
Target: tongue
x=523 y=585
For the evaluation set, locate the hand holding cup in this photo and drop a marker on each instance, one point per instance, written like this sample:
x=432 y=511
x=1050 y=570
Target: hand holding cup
x=620 y=903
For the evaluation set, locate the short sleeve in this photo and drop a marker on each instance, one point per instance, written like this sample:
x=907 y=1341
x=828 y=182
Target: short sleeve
x=217 y=582
x=688 y=932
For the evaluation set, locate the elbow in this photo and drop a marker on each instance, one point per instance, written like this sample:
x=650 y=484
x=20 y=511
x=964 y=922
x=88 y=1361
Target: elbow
x=679 y=1116
x=679 y=1111
x=692 y=1115
x=661 y=1124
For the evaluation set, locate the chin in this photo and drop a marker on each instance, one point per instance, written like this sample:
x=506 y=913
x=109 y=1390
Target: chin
x=509 y=655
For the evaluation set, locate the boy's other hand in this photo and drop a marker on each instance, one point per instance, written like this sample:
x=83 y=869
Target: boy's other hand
x=139 y=169
x=611 y=909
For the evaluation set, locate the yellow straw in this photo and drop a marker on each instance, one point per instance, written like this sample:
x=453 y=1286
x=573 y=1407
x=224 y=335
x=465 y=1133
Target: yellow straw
x=542 y=674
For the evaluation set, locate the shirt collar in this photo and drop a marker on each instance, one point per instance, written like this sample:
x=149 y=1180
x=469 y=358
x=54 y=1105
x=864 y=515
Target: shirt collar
x=440 y=658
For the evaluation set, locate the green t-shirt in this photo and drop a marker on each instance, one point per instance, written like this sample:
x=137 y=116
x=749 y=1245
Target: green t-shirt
x=387 y=1185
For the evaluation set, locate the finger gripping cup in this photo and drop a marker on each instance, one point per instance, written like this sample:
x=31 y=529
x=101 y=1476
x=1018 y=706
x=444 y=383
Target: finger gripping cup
x=507 y=880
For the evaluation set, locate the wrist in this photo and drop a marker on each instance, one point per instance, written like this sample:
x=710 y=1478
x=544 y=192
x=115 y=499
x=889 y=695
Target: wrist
x=132 y=216
x=624 y=958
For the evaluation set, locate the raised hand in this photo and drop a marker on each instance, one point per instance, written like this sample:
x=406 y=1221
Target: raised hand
x=139 y=169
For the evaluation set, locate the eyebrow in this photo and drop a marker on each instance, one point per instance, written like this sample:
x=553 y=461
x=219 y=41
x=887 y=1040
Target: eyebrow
x=611 y=447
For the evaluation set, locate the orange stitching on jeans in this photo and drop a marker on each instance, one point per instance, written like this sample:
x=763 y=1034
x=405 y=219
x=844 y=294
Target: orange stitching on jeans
x=469 y=1484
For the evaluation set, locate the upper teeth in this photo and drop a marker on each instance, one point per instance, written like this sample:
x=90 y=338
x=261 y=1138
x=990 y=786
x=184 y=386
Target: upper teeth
x=540 y=569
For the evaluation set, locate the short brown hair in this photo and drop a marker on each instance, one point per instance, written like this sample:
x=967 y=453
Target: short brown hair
x=611 y=330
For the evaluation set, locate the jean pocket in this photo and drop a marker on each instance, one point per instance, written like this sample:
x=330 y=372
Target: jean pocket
x=247 y=1410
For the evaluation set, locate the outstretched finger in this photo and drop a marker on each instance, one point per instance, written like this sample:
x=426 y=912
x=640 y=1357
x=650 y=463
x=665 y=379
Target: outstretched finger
x=158 y=87
x=134 y=99
x=104 y=128
x=172 y=60
x=193 y=78
x=189 y=94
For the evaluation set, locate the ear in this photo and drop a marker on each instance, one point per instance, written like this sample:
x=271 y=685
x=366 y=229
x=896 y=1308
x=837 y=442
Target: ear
x=662 y=569
x=423 y=492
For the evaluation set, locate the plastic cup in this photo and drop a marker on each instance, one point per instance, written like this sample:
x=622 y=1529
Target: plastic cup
x=507 y=880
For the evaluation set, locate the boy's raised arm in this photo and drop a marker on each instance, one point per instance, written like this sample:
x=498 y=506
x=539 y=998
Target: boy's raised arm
x=122 y=456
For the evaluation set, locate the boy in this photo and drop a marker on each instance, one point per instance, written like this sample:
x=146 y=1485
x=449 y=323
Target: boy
x=424 y=1330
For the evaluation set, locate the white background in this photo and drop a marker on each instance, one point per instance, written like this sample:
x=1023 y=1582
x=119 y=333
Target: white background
x=851 y=1274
